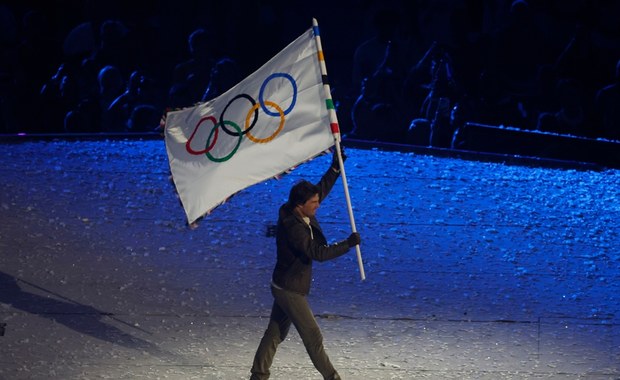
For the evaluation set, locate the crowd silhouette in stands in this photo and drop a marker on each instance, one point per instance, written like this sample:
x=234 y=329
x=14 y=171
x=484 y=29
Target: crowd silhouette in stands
x=422 y=71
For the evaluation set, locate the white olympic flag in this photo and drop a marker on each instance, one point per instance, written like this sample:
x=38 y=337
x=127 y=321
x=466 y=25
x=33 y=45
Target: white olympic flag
x=273 y=120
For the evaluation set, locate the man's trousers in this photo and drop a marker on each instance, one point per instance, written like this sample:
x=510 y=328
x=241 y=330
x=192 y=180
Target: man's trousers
x=290 y=307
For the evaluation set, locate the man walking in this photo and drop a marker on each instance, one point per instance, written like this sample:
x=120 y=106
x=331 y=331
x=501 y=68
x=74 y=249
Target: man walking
x=300 y=241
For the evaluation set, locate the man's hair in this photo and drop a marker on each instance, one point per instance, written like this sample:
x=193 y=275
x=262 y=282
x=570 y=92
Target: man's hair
x=301 y=192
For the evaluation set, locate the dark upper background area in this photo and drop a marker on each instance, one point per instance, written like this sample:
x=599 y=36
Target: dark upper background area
x=399 y=70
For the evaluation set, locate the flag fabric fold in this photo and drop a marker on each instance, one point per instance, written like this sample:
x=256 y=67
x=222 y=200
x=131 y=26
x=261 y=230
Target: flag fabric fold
x=273 y=120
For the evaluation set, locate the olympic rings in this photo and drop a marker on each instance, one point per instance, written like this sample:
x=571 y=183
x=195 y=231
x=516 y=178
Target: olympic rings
x=251 y=120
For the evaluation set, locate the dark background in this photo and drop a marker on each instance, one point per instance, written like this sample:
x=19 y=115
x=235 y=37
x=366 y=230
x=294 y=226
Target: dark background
x=509 y=61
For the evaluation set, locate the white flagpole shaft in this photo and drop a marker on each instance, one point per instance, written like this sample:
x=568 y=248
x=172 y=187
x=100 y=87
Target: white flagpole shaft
x=336 y=132
x=360 y=263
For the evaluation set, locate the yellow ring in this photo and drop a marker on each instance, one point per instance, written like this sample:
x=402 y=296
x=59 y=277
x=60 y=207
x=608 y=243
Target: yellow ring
x=268 y=138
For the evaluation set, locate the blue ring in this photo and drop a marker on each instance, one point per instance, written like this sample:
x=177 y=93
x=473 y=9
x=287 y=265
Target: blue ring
x=261 y=101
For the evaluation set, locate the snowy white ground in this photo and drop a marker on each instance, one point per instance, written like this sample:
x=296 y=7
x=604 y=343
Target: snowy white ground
x=474 y=270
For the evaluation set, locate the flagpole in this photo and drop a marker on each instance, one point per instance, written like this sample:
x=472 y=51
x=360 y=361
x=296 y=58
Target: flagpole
x=333 y=120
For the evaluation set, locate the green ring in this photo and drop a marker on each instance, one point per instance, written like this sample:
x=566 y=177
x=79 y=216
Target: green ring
x=225 y=158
